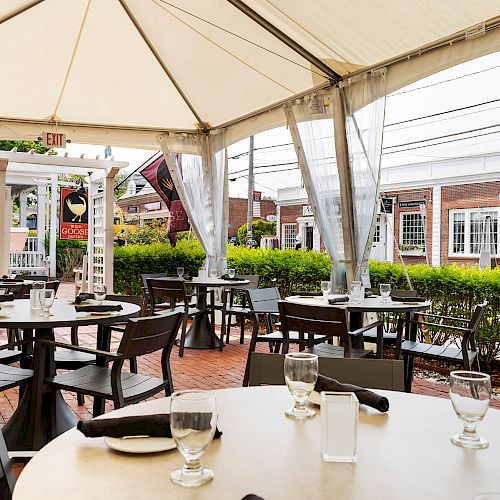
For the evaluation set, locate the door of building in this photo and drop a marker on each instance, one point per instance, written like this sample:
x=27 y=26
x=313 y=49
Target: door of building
x=379 y=240
x=309 y=240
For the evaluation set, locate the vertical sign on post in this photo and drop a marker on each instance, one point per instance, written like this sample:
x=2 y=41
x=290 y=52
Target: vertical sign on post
x=257 y=195
x=73 y=217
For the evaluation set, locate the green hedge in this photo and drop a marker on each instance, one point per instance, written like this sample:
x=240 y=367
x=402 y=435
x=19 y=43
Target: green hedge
x=454 y=290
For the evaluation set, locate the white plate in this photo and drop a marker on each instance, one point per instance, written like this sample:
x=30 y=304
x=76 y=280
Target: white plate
x=314 y=398
x=4 y=314
x=140 y=444
x=8 y=303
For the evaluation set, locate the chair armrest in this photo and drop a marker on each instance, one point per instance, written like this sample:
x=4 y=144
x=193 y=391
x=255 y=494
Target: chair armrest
x=364 y=329
x=22 y=457
x=451 y=318
x=440 y=325
x=97 y=352
x=15 y=344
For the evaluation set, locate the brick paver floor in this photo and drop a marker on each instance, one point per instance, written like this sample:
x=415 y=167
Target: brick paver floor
x=198 y=369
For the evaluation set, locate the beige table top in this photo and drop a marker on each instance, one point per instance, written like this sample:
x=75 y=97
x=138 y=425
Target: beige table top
x=63 y=313
x=404 y=454
x=370 y=304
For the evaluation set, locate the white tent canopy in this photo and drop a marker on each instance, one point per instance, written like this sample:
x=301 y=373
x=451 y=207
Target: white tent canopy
x=124 y=71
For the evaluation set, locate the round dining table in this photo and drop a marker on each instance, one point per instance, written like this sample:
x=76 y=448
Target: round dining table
x=403 y=454
x=20 y=432
x=199 y=335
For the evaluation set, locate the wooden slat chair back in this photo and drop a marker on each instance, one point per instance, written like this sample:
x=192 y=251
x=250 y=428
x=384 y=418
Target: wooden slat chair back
x=310 y=320
x=466 y=354
x=52 y=285
x=264 y=300
x=386 y=374
x=169 y=291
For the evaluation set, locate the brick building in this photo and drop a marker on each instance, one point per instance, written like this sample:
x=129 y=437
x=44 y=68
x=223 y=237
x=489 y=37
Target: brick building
x=438 y=212
x=141 y=204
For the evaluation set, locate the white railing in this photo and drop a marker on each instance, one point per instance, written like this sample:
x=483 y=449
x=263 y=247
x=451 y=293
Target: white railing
x=32 y=244
x=27 y=261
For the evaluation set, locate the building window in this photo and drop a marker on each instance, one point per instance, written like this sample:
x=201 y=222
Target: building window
x=289 y=236
x=376 y=234
x=473 y=230
x=412 y=233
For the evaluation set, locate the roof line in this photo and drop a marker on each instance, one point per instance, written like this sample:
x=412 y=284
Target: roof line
x=20 y=10
x=264 y=23
x=203 y=125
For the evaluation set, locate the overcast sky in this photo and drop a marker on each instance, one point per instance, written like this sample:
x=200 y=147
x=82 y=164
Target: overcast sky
x=468 y=84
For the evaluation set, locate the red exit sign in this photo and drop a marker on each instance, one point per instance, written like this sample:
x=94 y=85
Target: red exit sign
x=53 y=140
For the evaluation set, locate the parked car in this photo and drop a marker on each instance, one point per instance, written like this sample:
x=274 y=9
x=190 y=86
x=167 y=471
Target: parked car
x=233 y=240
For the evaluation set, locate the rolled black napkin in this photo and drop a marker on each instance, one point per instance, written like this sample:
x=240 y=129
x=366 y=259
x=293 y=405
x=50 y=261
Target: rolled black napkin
x=141 y=425
x=307 y=294
x=335 y=300
x=83 y=297
x=365 y=397
x=8 y=297
x=101 y=308
x=397 y=298
x=369 y=294
x=227 y=278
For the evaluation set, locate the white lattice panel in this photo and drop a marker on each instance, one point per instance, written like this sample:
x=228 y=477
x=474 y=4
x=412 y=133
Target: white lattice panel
x=97 y=257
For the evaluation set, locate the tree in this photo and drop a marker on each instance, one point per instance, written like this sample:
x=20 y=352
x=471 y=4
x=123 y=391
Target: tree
x=24 y=146
x=260 y=228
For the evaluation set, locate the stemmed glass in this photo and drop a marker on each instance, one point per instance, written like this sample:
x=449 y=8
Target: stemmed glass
x=231 y=273
x=213 y=273
x=385 y=292
x=356 y=292
x=180 y=272
x=46 y=301
x=301 y=373
x=325 y=289
x=470 y=394
x=193 y=419
x=100 y=292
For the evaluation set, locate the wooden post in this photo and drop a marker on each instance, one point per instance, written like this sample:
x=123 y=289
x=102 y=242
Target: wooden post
x=4 y=216
x=41 y=202
x=109 y=236
x=53 y=224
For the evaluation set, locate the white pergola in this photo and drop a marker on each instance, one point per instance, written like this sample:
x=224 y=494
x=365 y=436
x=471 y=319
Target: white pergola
x=201 y=75
x=41 y=172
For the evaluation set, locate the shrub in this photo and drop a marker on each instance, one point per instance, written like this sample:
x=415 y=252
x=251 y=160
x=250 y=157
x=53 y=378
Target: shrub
x=69 y=254
x=260 y=228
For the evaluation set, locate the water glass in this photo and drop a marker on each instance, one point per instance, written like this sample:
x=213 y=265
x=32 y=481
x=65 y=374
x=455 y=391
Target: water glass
x=213 y=273
x=46 y=298
x=193 y=419
x=231 y=273
x=470 y=394
x=325 y=289
x=180 y=272
x=100 y=292
x=301 y=373
x=385 y=292
x=357 y=292
x=35 y=298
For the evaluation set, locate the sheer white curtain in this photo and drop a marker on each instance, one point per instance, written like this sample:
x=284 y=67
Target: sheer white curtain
x=200 y=177
x=311 y=125
x=364 y=102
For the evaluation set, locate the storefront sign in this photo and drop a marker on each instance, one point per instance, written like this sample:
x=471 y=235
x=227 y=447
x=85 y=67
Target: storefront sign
x=73 y=219
x=411 y=204
x=132 y=210
x=386 y=205
x=53 y=140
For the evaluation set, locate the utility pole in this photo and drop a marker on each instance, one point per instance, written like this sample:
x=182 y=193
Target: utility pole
x=250 y=193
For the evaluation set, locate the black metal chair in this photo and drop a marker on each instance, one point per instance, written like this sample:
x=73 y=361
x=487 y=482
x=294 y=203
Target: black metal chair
x=174 y=295
x=387 y=374
x=464 y=329
x=230 y=306
x=142 y=336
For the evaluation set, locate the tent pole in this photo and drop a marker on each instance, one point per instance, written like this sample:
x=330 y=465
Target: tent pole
x=345 y=180
x=241 y=6
x=4 y=212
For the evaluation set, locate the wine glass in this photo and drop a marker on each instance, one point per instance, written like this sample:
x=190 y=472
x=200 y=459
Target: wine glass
x=356 y=292
x=193 y=418
x=213 y=273
x=385 y=292
x=180 y=272
x=100 y=292
x=470 y=394
x=46 y=300
x=301 y=373
x=325 y=289
x=231 y=273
